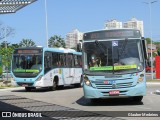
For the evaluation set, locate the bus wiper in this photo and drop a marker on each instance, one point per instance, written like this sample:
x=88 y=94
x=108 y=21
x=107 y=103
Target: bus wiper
x=102 y=48
x=123 y=47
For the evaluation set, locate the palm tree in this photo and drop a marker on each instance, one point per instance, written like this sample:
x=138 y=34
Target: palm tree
x=27 y=43
x=56 y=41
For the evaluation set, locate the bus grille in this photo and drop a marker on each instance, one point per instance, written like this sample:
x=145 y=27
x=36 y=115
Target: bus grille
x=22 y=84
x=101 y=85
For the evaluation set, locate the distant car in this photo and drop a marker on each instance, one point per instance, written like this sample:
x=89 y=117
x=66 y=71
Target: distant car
x=148 y=69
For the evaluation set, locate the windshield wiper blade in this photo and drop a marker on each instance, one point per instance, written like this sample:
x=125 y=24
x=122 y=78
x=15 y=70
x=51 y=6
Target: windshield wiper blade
x=123 y=47
x=103 y=49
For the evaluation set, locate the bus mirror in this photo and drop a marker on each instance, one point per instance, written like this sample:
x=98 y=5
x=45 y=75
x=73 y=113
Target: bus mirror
x=79 y=47
x=144 y=43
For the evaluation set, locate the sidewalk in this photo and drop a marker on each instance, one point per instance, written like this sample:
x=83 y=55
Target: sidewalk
x=153 y=83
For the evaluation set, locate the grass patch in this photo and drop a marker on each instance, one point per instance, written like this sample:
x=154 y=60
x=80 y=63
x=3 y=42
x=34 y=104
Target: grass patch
x=154 y=80
x=6 y=86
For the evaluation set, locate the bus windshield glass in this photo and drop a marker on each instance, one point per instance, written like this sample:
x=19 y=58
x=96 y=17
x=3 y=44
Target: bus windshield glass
x=26 y=65
x=117 y=56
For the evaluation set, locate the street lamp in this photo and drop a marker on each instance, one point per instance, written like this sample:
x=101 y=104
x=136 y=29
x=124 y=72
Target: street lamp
x=150 y=16
x=46 y=22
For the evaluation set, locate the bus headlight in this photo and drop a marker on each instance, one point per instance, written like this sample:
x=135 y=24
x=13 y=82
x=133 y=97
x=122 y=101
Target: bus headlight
x=39 y=78
x=87 y=81
x=141 y=78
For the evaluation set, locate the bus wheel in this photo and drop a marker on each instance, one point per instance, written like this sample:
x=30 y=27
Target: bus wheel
x=137 y=98
x=28 y=89
x=54 y=86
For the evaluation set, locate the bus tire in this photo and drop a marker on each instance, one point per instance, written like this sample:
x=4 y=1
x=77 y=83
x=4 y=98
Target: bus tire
x=28 y=89
x=137 y=98
x=54 y=86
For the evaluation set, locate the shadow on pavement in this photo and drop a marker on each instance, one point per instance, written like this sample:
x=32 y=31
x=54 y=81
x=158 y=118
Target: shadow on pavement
x=10 y=112
x=107 y=102
x=46 y=89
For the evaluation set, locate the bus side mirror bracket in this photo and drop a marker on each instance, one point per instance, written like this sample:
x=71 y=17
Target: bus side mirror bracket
x=79 y=47
x=144 y=47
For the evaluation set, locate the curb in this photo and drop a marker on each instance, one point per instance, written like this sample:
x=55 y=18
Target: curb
x=153 y=83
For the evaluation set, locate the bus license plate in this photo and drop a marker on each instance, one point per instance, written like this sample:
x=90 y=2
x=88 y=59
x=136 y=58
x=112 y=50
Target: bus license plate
x=114 y=92
x=24 y=85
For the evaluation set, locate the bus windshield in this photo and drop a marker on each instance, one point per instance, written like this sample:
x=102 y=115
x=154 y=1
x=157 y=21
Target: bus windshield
x=26 y=65
x=113 y=56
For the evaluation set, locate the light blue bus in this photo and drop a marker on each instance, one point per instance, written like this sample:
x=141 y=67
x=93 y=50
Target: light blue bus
x=114 y=64
x=46 y=67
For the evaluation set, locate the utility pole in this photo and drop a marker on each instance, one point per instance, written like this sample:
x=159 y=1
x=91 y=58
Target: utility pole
x=150 y=19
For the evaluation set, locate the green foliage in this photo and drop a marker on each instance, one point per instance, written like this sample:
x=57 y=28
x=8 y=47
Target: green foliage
x=27 y=43
x=148 y=40
x=1 y=70
x=6 y=53
x=7 y=50
x=56 y=41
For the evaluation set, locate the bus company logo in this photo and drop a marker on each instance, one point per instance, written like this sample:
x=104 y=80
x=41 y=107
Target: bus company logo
x=114 y=86
x=6 y=114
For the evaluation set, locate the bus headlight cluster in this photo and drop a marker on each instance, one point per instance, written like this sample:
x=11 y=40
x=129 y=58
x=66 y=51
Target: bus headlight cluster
x=39 y=78
x=87 y=81
x=141 y=78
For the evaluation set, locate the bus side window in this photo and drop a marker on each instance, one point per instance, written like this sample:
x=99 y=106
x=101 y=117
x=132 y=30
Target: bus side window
x=55 y=61
x=62 y=62
x=70 y=60
x=79 y=58
x=77 y=61
x=47 y=61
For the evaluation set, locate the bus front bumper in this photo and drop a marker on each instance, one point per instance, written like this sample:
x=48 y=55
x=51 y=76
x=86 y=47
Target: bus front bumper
x=138 y=90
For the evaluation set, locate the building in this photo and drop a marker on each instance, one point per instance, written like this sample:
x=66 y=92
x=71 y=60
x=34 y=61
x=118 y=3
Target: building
x=72 y=38
x=134 y=23
x=113 y=24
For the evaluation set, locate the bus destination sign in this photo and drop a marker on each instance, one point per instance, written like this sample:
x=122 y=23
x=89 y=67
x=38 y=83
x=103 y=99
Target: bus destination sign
x=27 y=51
x=111 y=34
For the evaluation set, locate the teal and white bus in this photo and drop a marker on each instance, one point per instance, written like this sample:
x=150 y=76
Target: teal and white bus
x=114 y=64
x=46 y=67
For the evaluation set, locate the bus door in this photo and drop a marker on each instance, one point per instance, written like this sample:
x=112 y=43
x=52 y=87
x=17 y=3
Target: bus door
x=71 y=73
x=78 y=68
x=48 y=67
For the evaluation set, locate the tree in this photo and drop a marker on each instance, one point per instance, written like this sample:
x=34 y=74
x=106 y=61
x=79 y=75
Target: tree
x=5 y=31
x=26 y=43
x=6 y=54
x=148 y=40
x=56 y=41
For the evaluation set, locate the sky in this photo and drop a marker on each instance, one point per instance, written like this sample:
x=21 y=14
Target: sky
x=64 y=16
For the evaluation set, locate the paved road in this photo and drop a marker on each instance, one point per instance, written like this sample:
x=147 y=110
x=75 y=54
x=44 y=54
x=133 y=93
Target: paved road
x=71 y=99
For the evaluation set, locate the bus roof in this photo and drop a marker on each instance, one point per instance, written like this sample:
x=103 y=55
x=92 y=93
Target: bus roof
x=61 y=50
x=111 y=29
